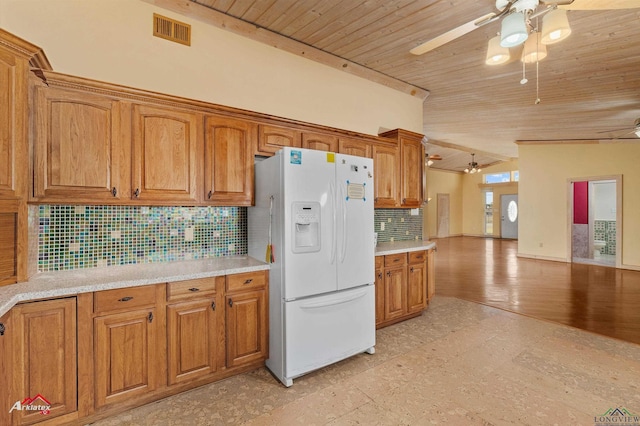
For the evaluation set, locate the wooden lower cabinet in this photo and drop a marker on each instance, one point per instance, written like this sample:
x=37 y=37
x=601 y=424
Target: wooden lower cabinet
x=195 y=332
x=126 y=351
x=417 y=282
x=247 y=318
x=402 y=286
x=395 y=292
x=44 y=363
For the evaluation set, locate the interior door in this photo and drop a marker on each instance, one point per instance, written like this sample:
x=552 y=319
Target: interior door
x=442 y=230
x=509 y=216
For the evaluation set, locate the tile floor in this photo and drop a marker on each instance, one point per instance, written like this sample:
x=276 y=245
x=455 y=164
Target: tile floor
x=460 y=363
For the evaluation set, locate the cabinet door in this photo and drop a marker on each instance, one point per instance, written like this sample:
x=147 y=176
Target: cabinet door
x=13 y=125
x=9 y=211
x=271 y=139
x=246 y=327
x=386 y=170
x=395 y=291
x=379 y=283
x=126 y=350
x=411 y=152
x=45 y=362
x=355 y=147
x=7 y=397
x=228 y=161
x=320 y=142
x=193 y=344
x=78 y=150
x=417 y=287
x=165 y=148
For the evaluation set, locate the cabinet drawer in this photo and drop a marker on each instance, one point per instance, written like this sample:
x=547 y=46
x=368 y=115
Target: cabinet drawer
x=188 y=289
x=395 y=259
x=246 y=281
x=124 y=298
x=417 y=256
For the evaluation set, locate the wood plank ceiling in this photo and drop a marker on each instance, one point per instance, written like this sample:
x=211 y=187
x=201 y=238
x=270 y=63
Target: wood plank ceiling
x=588 y=84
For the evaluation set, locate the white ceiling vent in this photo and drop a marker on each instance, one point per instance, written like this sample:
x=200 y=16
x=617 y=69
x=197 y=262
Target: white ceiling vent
x=172 y=30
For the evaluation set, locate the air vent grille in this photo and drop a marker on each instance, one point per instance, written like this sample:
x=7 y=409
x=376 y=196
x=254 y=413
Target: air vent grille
x=170 y=29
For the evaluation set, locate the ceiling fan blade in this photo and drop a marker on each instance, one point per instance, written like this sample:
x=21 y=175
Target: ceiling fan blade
x=600 y=4
x=450 y=35
x=618 y=130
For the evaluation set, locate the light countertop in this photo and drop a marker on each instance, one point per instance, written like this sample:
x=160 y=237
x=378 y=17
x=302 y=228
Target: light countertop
x=69 y=283
x=383 y=249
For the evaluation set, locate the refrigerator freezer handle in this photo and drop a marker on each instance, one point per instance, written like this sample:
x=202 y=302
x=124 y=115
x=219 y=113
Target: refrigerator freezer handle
x=333 y=302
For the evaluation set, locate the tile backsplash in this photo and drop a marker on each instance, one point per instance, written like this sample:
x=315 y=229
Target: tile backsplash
x=399 y=225
x=73 y=237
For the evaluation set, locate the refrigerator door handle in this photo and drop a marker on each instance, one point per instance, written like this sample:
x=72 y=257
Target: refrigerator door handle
x=333 y=302
x=334 y=230
x=344 y=224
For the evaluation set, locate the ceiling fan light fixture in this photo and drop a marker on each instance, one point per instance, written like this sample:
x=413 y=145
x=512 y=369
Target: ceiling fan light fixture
x=555 y=26
x=637 y=132
x=534 y=51
x=514 y=30
x=496 y=54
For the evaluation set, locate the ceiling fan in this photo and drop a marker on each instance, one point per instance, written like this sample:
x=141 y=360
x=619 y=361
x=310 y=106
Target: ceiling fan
x=635 y=129
x=508 y=9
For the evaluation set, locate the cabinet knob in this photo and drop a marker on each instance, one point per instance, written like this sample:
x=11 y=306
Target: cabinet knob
x=248 y=281
x=2 y=329
x=404 y=201
x=231 y=303
x=388 y=273
x=150 y=317
x=411 y=269
x=213 y=306
x=380 y=275
x=114 y=191
x=125 y=299
x=375 y=200
x=136 y=193
x=194 y=289
x=210 y=194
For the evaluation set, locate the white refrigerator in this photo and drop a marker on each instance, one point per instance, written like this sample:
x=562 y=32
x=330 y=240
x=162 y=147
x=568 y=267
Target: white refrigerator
x=314 y=209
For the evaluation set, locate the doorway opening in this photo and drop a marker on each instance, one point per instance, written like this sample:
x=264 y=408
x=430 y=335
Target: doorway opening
x=488 y=213
x=596 y=220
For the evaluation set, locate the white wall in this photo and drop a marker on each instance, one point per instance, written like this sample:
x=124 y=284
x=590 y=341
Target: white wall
x=111 y=40
x=604 y=200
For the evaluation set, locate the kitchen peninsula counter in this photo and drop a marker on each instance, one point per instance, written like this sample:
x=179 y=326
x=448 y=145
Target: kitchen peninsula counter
x=69 y=283
x=383 y=249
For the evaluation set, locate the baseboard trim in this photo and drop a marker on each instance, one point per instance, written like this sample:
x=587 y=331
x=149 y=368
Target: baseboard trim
x=537 y=257
x=630 y=267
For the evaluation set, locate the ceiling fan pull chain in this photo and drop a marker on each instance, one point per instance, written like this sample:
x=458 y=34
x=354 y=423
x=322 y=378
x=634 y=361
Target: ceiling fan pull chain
x=537 y=82
x=524 y=78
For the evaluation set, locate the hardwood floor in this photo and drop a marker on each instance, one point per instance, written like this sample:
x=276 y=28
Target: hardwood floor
x=599 y=299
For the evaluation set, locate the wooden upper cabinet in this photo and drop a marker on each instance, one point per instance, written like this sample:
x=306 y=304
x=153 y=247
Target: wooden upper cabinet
x=78 y=151
x=165 y=150
x=13 y=124
x=45 y=360
x=271 y=139
x=354 y=147
x=412 y=154
x=386 y=173
x=228 y=161
x=320 y=142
